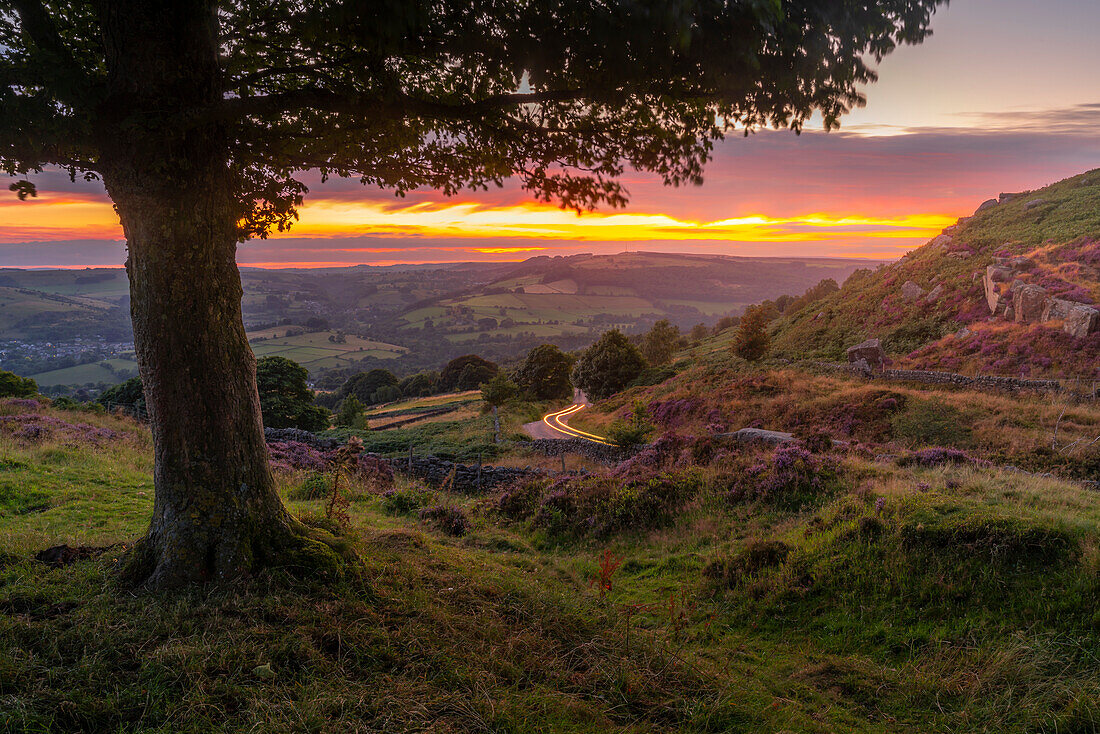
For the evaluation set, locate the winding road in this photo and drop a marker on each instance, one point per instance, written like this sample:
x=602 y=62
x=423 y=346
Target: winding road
x=553 y=425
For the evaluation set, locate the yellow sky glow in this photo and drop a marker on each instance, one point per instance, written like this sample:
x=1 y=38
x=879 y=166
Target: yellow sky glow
x=334 y=218
x=68 y=218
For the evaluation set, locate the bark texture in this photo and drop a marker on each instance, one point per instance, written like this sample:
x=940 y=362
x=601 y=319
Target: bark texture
x=216 y=515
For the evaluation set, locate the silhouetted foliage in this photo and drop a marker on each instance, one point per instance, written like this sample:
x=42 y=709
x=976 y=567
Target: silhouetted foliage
x=466 y=373
x=365 y=385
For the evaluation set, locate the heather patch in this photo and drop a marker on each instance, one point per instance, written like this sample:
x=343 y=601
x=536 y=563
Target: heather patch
x=1012 y=350
x=603 y=505
x=939 y=456
x=448 y=519
x=288 y=456
x=292 y=456
x=791 y=477
x=31 y=428
x=19 y=405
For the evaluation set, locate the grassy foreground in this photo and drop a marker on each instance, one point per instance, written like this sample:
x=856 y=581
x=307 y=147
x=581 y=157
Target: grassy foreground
x=872 y=597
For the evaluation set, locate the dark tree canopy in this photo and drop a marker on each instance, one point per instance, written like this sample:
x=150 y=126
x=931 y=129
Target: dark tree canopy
x=411 y=93
x=128 y=394
x=544 y=373
x=285 y=399
x=660 y=342
x=608 y=366
x=466 y=373
x=365 y=385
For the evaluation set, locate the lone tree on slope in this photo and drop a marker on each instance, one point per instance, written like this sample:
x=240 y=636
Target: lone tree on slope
x=198 y=114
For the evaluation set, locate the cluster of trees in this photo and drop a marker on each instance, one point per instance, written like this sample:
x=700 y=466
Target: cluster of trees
x=14 y=386
x=285 y=398
x=752 y=340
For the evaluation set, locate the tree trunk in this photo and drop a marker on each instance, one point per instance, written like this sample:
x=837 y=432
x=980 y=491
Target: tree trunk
x=216 y=514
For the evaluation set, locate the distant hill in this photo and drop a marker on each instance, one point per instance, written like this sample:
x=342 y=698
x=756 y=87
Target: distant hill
x=583 y=295
x=410 y=318
x=1035 y=256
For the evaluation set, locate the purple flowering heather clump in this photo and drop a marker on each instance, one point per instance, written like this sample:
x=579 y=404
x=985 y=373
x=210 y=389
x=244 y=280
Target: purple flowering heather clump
x=287 y=456
x=33 y=427
x=374 y=470
x=665 y=450
x=23 y=403
x=939 y=456
x=674 y=413
x=791 y=478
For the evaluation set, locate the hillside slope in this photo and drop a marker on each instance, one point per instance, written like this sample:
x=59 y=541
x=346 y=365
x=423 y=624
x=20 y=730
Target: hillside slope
x=931 y=309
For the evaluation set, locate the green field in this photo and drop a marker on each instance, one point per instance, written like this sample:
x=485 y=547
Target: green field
x=83 y=374
x=314 y=351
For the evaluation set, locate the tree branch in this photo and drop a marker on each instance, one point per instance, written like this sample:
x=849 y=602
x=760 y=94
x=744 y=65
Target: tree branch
x=323 y=101
x=40 y=29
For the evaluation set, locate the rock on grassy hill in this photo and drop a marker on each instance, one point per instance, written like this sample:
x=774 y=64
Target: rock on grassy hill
x=1011 y=290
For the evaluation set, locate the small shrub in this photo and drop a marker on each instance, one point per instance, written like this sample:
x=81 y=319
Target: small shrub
x=520 y=500
x=634 y=431
x=603 y=505
x=756 y=556
x=402 y=501
x=314 y=487
x=450 y=520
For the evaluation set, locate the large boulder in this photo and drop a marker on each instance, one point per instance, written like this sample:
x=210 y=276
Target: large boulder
x=943 y=241
x=1029 y=303
x=987 y=205
x=871 y=352
x=994 y=275
x=759 y=435
x=1078 y=319
x=911 y=291
x=935 y=294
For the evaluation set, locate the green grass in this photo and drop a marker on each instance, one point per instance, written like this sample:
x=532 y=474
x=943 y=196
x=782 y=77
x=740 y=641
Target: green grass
x=953 y=599
x=84 y=373
x=314 y=351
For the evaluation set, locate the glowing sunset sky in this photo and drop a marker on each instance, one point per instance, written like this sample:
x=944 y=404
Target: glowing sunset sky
x=1002 y=98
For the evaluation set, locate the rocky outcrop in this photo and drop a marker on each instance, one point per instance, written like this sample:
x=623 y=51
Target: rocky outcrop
x=934 y=294
x=1028 y=302
x=911 y=291
x=1078 y=319
x=994 y=276
x=987 y=205
x=869 y=353
x=758 y=435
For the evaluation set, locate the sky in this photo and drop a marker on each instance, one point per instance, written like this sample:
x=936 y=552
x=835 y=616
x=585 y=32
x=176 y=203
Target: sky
x=1003 y=97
